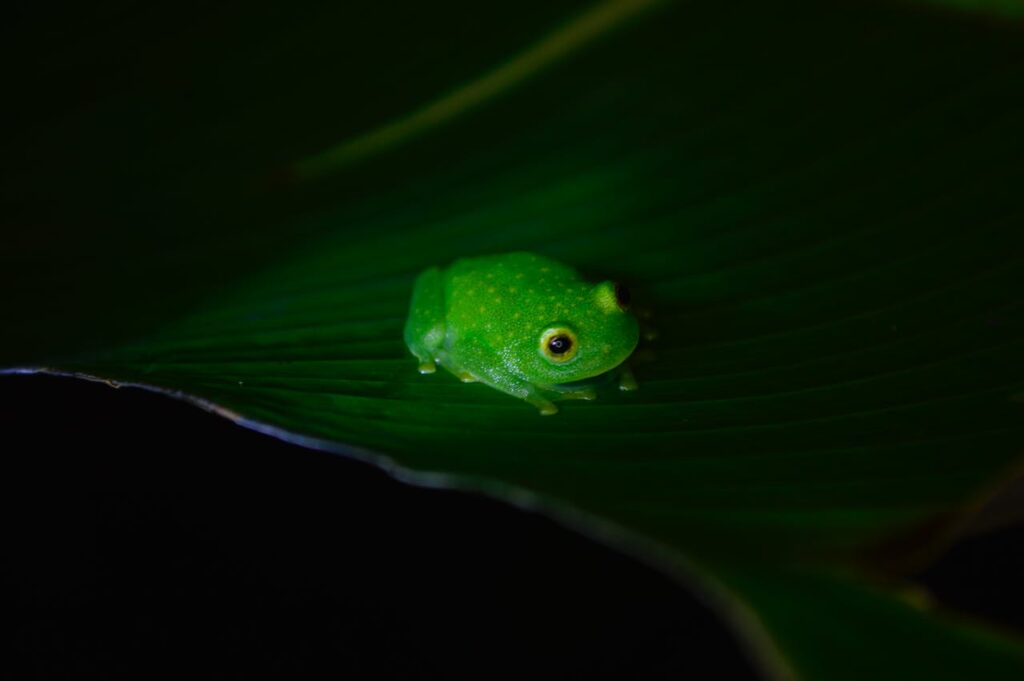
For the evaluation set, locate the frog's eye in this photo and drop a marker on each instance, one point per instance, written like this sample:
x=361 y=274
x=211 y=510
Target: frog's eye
x=611 y=297
x=558 y=345
x=622 y=297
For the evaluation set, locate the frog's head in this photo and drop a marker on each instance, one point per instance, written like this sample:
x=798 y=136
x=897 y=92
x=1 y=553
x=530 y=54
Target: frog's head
x=595 y=335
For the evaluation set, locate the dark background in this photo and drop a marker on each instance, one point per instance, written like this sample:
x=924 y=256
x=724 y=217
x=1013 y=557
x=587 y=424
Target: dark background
x=149 y=537
x=144 y=536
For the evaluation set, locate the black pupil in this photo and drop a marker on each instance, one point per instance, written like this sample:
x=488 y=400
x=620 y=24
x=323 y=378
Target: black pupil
x=622 y=295
x=559 y=345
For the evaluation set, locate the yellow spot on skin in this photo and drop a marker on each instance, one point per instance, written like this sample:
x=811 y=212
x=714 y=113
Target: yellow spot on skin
x=491 y=290
x=512 y=289
x=520 y=275
x=545 y=269
x=517 y=315
x=606 y=349
x=497 y=300
x=483 y=309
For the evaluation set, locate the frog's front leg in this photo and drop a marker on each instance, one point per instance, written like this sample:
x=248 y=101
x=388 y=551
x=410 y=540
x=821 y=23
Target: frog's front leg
x=425 y=328
x=509 y=383
x=546 y=407
x=587 y=393
x=474 y=359
x=512 y=384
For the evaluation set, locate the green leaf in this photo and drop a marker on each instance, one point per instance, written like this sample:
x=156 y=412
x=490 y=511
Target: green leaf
x=836 y=627
x=820 y=204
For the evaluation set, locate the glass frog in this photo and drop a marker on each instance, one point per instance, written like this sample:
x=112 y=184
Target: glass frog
x=523 y=324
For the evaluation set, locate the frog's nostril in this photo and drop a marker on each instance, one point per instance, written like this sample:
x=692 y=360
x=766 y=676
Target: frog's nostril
x=622 y=297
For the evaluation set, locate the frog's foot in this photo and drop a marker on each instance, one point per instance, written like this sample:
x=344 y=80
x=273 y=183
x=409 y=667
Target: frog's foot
x=427 y=367
x=546 y=407
x=627 y=381
x=466 y=377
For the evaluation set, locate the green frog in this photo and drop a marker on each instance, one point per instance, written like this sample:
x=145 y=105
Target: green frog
x=524 y=324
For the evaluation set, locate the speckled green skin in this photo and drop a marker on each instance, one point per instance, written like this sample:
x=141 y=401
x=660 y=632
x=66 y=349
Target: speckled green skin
x=483 y=319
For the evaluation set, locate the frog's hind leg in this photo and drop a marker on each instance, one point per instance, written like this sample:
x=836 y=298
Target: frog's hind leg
x=425 y=328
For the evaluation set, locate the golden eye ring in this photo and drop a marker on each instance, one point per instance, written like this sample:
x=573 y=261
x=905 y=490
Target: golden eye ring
x=558 y=345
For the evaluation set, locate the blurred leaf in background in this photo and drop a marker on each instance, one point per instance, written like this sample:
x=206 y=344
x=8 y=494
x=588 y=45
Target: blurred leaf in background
x=820 y=201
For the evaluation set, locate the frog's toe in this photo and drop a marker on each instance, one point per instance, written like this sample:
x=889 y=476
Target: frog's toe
x=466 y=377
x=546 y=407
x=427 y=367
x=627 y=381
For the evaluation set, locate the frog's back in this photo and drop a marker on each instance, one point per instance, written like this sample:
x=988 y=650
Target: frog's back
x=496 y=285
x=508 y=267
